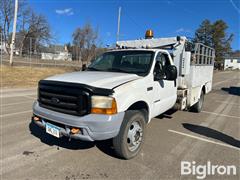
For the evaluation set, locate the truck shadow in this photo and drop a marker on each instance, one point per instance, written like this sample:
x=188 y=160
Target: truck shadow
x=208 y=132
x=167 y=114
x=63 y=142
x=232 y=90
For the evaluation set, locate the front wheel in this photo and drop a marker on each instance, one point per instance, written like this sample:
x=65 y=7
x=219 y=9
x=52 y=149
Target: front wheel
x=199 y=105
x=128 y=142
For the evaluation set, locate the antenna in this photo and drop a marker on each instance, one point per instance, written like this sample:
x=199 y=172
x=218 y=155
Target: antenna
x=119 y=19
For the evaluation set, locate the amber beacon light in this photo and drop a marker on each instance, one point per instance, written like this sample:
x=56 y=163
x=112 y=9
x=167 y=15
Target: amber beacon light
x=149 y=34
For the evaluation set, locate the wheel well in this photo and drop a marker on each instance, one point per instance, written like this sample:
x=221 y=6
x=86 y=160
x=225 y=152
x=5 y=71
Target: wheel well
x=142 y=106
x=204 y=89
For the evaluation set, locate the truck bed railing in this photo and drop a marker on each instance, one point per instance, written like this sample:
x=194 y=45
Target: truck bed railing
x=203 y=55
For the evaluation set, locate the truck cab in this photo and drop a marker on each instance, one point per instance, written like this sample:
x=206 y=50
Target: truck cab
x=117 y=95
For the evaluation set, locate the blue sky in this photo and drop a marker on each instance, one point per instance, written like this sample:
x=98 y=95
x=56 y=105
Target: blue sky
x=166 y=17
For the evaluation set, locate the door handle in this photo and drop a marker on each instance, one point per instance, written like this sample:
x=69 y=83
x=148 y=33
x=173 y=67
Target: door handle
x=157 y=101
x=149 y=88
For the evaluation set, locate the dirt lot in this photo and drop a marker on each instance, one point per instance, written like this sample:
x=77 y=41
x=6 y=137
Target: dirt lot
x=26 y=76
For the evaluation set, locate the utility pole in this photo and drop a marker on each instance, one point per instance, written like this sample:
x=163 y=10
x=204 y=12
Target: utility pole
x=119 y=19
x=14 y=32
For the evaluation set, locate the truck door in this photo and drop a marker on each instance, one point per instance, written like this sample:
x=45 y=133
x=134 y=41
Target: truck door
x=164 y=91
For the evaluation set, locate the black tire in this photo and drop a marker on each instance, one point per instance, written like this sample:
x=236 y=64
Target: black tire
x=122 y=142
x=198 y=106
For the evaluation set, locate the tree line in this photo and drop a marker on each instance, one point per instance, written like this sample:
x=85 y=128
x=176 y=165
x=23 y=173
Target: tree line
x=34 y=33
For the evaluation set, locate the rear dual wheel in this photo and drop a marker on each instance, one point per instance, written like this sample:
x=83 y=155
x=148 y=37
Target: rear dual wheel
x=199 y=105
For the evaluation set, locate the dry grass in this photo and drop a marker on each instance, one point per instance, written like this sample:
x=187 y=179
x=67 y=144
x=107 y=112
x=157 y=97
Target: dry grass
x=26 y=76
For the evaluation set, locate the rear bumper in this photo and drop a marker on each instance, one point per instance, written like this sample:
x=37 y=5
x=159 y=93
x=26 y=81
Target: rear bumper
x=93 y=126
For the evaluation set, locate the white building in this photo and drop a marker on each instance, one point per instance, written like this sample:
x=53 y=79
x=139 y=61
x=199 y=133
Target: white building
x=231 y=63
x=65 y=56
x=57 y=52
x=3 y=47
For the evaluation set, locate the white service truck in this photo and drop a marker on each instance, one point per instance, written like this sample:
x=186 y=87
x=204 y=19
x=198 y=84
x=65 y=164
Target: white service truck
x=123 y=89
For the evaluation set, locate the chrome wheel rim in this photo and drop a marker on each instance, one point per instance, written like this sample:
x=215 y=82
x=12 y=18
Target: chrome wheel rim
x=134 y=136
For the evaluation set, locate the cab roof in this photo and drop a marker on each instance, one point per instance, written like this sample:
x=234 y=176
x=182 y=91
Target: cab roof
x=138 y=49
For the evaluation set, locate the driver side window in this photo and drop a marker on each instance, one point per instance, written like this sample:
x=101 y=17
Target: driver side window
x=162 y=61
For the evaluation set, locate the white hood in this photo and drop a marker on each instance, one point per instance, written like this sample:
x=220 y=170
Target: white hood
x=107 y=80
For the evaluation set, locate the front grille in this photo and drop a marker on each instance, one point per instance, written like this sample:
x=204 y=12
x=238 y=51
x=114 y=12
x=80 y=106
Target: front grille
x=63 y=97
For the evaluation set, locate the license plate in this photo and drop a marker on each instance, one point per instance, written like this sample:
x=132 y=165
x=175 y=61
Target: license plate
x=53 y=130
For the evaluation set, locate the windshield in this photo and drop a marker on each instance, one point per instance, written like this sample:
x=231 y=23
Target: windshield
x=137 y=62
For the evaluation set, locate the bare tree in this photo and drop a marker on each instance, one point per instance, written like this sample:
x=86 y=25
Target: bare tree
x=6 y=9
x=85 y=40
x=35 y=30
x=6 y=14
x=1 y=28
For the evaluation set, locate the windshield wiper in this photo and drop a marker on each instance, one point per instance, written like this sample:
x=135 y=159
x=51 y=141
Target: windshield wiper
x=121 y=70
x=93 y=69
x=118 y=70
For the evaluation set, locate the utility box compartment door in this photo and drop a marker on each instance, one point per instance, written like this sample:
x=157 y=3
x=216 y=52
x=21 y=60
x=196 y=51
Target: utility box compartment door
x=185 y=64
x=200 y=75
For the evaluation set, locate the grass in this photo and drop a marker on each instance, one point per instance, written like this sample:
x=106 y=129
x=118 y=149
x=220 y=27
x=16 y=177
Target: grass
x=26 y=76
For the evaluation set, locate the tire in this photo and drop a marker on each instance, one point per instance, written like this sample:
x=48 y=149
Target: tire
x=130 y=138
x=198 y=106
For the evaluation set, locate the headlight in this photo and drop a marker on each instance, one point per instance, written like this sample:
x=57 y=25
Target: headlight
x=103 y=105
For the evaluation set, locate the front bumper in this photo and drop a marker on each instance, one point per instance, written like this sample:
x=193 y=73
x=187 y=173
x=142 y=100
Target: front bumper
x=93 y=126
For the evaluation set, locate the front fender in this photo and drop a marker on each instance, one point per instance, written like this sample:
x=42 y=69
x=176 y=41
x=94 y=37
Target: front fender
x=131 y=93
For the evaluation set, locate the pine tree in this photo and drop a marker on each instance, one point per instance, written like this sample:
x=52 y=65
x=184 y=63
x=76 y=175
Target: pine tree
x=221 y=42
x=204 y=33
x=214 y=35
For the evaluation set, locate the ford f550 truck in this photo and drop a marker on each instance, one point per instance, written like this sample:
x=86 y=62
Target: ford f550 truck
x=123 y=89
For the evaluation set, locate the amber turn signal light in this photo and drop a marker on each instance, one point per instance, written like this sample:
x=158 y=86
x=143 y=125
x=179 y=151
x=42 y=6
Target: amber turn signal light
x=35 y=118
x=109 y=111
x=75 y=130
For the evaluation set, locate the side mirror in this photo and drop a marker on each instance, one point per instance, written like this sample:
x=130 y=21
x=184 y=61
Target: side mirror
x=84 y=67
x=171 y=72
